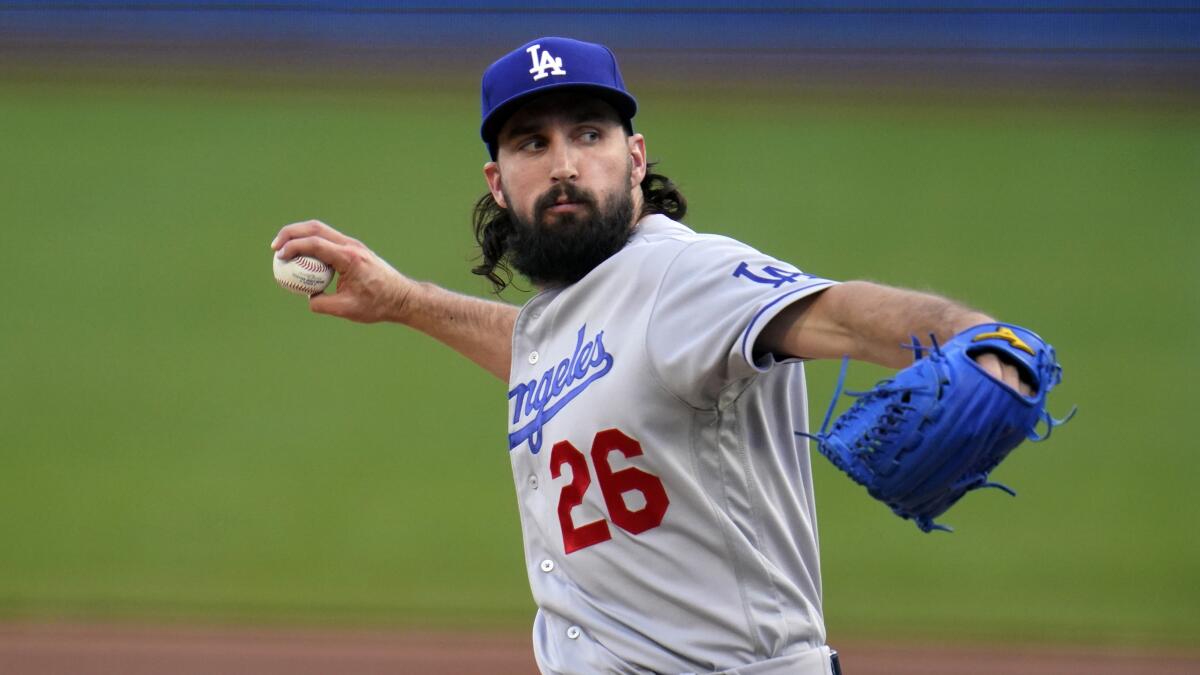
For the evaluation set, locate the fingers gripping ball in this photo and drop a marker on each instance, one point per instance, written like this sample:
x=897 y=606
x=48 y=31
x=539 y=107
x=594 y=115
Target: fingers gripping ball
x=303 y=274
x=922 y=440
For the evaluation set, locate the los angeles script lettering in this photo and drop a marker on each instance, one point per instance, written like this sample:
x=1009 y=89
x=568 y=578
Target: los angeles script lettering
x=542 y=398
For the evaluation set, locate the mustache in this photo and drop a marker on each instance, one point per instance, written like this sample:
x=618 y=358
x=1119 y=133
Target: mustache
x=568 y=191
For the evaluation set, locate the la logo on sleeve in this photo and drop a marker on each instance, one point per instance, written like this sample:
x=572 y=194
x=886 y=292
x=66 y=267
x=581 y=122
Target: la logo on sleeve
x=769 y=274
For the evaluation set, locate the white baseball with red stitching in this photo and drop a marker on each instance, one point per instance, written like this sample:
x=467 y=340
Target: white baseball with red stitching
x=303 y=274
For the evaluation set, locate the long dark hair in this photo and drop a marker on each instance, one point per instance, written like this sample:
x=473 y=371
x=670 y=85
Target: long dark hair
x=493 y=224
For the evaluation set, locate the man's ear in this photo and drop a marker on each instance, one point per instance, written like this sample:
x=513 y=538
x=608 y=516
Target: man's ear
x=637 y=159
x=491 y=173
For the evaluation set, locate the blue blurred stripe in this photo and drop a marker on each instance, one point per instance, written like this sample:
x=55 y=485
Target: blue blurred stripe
x=1168 y=28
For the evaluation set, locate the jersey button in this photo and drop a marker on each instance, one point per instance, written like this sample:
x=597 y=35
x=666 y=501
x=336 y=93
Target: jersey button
x=533 y=358
x=547 y=565
x=532 y=482
x=573 y=632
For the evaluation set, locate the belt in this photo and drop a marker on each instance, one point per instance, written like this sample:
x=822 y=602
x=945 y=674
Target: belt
x=834 y=663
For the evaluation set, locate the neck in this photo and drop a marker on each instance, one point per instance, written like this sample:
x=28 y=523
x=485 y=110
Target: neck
x=639 y=202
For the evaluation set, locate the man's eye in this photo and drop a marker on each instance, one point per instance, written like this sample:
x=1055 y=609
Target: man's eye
x=531 y=144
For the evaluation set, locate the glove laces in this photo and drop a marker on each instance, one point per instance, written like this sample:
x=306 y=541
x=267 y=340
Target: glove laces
x=882 y=390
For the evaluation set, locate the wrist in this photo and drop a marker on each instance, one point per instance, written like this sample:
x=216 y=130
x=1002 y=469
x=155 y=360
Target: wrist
x=970 y=320
x=406 y=301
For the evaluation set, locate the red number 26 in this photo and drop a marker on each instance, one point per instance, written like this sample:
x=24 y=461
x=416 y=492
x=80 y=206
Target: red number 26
x=613 y=486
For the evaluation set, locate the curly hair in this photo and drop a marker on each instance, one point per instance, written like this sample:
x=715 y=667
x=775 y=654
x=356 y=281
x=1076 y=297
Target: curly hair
x=493 y=224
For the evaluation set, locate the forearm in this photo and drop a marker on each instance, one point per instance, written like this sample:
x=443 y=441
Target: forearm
x=479 y=329
x=869 y=322
x=880 y=319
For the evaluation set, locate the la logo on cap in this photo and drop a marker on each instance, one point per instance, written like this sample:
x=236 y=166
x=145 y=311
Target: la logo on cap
x=544 y=63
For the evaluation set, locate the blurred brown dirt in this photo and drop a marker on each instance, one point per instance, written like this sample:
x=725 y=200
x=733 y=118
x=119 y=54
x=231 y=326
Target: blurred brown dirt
x=98 y=649
x=881 y=658
x=103 y=649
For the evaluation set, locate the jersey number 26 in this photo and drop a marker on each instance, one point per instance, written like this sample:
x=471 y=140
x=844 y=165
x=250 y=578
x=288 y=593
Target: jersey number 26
x=613 y=485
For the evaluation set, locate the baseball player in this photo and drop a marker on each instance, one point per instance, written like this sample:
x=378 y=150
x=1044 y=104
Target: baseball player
x=655 y=383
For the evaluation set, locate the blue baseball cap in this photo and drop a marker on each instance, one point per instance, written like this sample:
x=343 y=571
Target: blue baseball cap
x=545 y=65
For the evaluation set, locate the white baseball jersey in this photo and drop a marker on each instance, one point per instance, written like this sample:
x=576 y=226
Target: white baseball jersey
x=665 y=499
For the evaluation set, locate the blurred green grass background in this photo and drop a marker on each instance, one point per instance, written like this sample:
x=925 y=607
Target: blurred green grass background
x=183 y=441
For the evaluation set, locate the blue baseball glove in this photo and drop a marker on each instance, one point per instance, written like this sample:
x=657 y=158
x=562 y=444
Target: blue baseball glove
x=921 y=440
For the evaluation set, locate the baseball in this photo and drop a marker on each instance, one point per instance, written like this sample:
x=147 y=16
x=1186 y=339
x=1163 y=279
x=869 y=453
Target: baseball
x=303 y=274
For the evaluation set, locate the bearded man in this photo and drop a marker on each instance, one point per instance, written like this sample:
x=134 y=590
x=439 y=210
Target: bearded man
x=656 y=383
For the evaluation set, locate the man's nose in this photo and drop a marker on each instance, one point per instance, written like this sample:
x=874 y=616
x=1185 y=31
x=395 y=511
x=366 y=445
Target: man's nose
x=563 y=167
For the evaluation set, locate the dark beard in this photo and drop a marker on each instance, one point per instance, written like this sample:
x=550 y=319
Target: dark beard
x=563 y=252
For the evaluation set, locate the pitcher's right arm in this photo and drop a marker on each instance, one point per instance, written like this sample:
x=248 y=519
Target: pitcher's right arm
x=369 y=290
